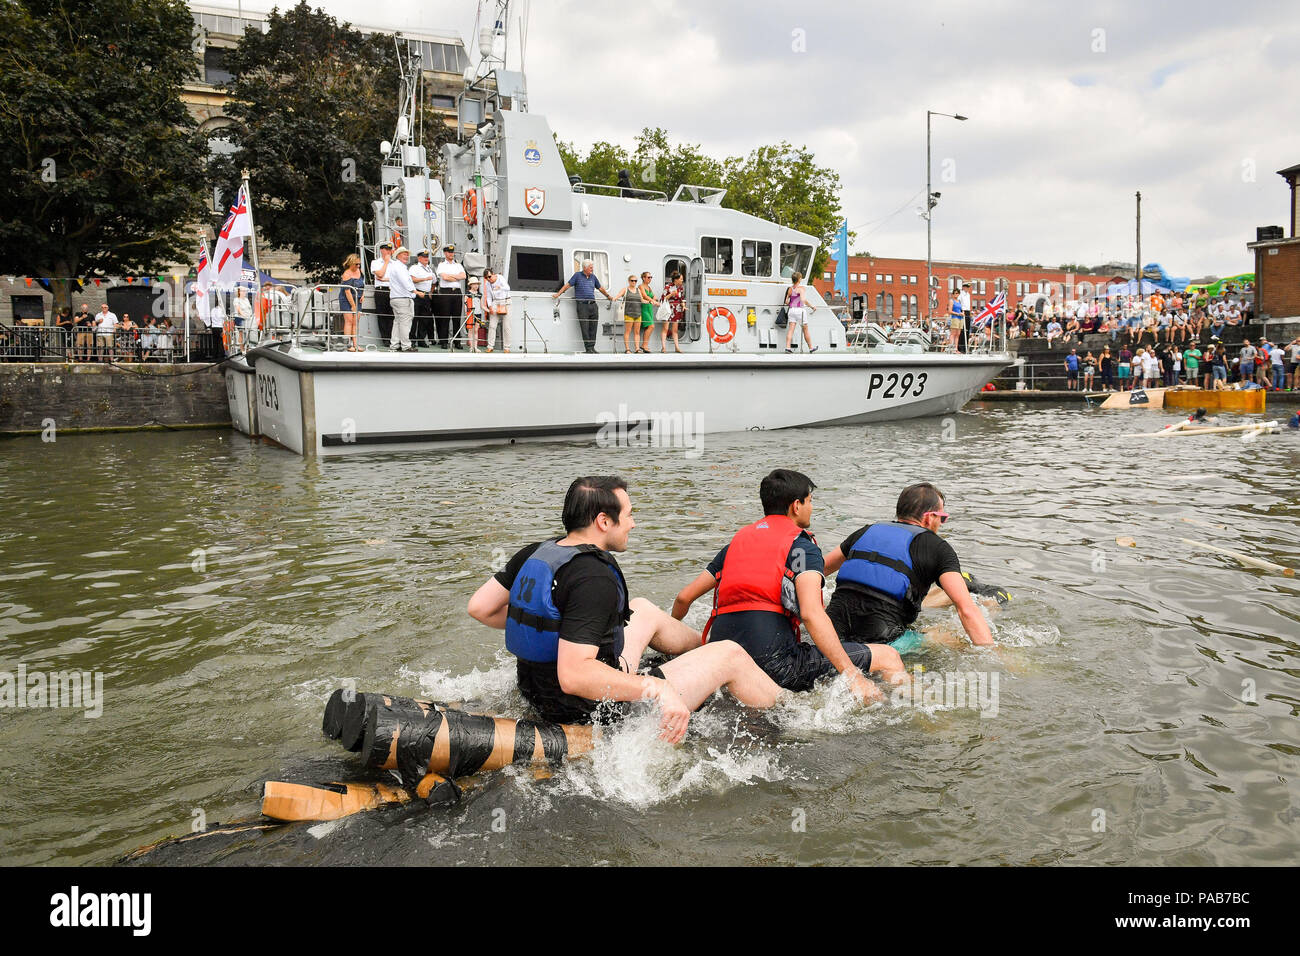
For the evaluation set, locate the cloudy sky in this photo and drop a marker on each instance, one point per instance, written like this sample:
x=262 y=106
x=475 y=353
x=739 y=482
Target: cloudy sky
x=1073 y=107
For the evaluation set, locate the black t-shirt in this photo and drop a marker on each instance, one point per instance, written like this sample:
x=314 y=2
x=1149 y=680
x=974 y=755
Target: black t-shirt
x=586 y=593
x=931 y=557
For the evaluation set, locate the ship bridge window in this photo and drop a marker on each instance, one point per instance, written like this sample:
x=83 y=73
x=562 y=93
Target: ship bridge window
x=795 y=258
x=536 y=270
x=755 y=258
x=600 y=259
x=718 y=256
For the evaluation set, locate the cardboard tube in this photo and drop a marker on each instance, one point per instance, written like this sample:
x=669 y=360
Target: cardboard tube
x=1243 y=558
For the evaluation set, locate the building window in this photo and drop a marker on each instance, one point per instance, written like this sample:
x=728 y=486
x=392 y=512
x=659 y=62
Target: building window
x=889 y=277
x=214 y=65
x=853 y=277
x=889 y=306
x=914 y=309
x=717 y=255
x=755 y=258
x=439 y=101
x=880 y=302
x=913 y=280
x=879 y=277
x=826 y=276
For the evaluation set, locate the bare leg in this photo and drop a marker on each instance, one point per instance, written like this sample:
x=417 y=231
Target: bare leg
x=695 y=676
x=886 y=662
x=650 y=626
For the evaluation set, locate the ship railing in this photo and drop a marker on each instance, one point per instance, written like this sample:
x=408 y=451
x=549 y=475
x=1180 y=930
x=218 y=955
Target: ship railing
x=910 y=334
x=626 y=192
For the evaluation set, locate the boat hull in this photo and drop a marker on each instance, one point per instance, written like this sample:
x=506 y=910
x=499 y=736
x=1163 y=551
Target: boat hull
x=1245 y=401
x=329 y=403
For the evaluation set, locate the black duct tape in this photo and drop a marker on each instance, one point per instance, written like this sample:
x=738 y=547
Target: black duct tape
x=525 y=741
x=332 y=723
x=472 y=738
x=554 y=744
x=353 y=728
x=415 y=747
x=444 y=793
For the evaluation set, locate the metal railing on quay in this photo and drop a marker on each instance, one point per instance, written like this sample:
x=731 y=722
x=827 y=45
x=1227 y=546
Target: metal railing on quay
x=57 y=344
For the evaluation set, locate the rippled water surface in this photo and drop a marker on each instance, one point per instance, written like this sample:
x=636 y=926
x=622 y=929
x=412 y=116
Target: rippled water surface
x=1147 y=697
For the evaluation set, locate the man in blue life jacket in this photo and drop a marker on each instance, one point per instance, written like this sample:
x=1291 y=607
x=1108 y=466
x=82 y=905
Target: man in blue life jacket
x=886 y=571
x=767 y=582
x=577 y=638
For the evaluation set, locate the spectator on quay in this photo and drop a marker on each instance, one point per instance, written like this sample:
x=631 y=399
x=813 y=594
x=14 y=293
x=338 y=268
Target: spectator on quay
x=1219 y=367
x=164 y=340
x=1276 y=360
x=1053 y=331
x=585 y=285
x=1072 y=371
x=1107 y=370
x=1233 y=314
x=65 y=322
x=1178 y=328
x=1165 y=358
x=1023 y=321
x=1125 y=368
x=496 y=304
x=1246 y=361
x=1216 y=324
x=1148 y=327
x=1192 y=363
x=676 y=296
x=1073 y=333
x=84 y=336
x=148 y=338
x=1106 y=326
x=1089 y=370
x=1151 y=368
x=648 y=302
x=128 y=339
x=105 y=327
x=352 y=287
x=798 y=310
x=1164 y=323
x=422 y=277
x=1293 y=364
x=1176 y=360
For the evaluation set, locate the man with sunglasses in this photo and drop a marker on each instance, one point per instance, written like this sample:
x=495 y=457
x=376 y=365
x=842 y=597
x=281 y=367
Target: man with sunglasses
x=886 y=571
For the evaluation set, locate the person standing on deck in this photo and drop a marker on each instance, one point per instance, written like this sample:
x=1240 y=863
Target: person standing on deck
x=383 y=312
x=965 y=316
x=585 y=285
x=797 y=312
x=450 y=298
x=422 y=278
x=767 y=582
x=578 y=640
x=401 y=298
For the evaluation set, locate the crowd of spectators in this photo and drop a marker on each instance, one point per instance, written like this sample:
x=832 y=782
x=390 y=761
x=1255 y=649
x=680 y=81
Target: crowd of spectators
x=1134 y=319
x=1267 y=365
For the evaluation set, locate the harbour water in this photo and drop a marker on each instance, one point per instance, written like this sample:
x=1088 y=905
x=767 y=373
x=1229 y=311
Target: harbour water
x=1147 y=699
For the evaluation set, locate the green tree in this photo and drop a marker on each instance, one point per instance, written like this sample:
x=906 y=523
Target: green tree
x=311 y=101
x=102 y=168
x=780 y=183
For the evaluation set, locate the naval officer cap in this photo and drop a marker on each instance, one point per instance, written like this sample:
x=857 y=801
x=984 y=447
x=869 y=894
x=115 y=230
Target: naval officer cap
x=449 y=248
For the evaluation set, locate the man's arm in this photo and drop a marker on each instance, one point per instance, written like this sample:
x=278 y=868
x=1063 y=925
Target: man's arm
x=489 y=604
x=834 y=560
x=688 y=595
x=581 y=675
x=954 y=585
x=563 y=289
x=808 y=586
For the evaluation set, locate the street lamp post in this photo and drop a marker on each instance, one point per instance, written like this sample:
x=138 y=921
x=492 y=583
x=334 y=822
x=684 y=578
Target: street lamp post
x=931 y=199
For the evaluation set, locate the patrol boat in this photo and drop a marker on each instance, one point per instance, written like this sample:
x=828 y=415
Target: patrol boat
x=505 y=200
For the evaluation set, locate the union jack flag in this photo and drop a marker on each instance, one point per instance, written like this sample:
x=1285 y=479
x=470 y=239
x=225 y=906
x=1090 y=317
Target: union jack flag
x=996 y=307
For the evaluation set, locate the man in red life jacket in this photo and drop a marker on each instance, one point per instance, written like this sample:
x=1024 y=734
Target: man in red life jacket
x=768 y=581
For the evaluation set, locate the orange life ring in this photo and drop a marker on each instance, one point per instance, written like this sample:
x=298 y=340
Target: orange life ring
x=469 y=207
x=721 y=312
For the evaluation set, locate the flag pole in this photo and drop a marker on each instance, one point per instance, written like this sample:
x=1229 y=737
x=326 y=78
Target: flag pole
x=252 y=236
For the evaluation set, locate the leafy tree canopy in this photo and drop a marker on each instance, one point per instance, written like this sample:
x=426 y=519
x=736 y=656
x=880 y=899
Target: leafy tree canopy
x=101 y=166
x=780 y=183
x=311 y=101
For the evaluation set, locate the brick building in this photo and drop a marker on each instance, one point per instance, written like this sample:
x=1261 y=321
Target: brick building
x=1277 y=262
x=891 y=288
